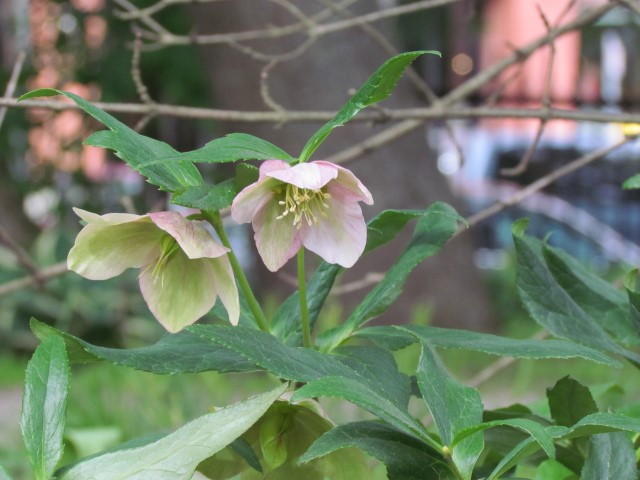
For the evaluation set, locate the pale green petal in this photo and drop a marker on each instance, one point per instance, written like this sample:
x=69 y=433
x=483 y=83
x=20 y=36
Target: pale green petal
x=181 y=292
x=194 y=239
x=105 y=250
x=226 y=287
x=108 y=219
x=277 y=239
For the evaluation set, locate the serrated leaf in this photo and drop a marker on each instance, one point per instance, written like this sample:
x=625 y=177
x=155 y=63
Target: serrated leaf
x=306 y=365
x=632 y=182
x=44 y=406
x=453 y=406
x=206 y=197
x=432 y=231
x=138 y=151
x=551 y=306
x=246 y=174
x=377 y=87
x=599 y=299
x=611 y=457
x=537 y=431
x=176 y=456
x=405 y=457
x=231 y=148
x=369 y=399
x=633 y=294
x=569 y=401
x=380 y=230
x=3 y=474
x=593 y=424
x=396 y=338
x=182 y=352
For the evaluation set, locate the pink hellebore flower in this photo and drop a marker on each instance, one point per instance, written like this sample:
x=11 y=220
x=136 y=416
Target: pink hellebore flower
x=183 y=269
x=312 y=204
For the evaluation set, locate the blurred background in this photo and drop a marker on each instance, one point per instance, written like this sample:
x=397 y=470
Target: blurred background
x=309 y=56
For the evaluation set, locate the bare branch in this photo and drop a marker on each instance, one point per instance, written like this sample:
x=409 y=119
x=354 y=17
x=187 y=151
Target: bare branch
x=43 y=275
x=13 y=82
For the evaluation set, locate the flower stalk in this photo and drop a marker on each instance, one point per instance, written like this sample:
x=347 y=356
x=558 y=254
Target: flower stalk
x=216 y=221
x=302 y=293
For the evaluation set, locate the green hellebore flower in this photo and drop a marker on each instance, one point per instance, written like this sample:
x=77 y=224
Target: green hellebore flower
x=183 y=268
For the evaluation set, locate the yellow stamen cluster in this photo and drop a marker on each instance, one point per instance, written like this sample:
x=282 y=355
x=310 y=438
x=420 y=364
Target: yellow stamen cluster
x=305 y=204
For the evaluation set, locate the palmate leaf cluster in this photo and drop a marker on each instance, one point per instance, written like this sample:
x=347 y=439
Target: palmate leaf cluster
x=263 y=437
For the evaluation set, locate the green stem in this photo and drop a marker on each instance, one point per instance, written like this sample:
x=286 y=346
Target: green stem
x=302 y=293
x=215 y=220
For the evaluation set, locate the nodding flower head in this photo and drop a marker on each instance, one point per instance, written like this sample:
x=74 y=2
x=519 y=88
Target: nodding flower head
x=312 y=204
x=183 y=269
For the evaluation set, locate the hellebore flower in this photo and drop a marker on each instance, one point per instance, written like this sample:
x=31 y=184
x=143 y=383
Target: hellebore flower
x=312 y=204
x=183 y=269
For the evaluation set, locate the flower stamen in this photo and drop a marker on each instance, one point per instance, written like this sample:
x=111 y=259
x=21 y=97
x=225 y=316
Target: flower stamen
x=305 y=204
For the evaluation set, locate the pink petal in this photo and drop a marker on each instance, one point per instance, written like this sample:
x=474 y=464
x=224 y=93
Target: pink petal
x=277 y=239
x=311 y=175
x=351 y=186
x=341 y=236
x=226 y=287
x=181 y=293
x=194 y=239
x=253 y=198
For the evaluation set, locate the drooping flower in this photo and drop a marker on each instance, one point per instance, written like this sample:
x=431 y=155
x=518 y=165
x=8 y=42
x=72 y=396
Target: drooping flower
x=183 y=268
x=312 y=204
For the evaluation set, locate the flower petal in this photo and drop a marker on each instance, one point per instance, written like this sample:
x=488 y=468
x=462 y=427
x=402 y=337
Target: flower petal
x=103 y=250
x=277 y=239
x=311 y=175
x=226 y=287
x=252 y=199
x=181 y=293
x=194 y=239
x=340 y=237
x=351 y=186
x=108 y=219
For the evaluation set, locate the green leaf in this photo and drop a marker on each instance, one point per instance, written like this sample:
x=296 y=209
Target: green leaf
x=432 y=231
x=611 y=457
x=377 y=87
x=599 y=299
x=405 y=457
x=182 y=352
x=386 y=226
x=139 y=152
x=369 y=399
x=44 y=406
x=632 y=182
x=551 y=306
x=634 y=299
x=380 y=230
x=514 y=457
x=233 y=147
x=396 y=338
x=206 y=197
x=569 y=401
x=176 y=456
x=602 y=422
x=535 y=429
x=553 y=470
x=246 y=174
x=305 y=365
x=3 y=474
x=454 y=407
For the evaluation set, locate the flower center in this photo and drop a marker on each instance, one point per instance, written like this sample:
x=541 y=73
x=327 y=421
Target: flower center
x=305 y=204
